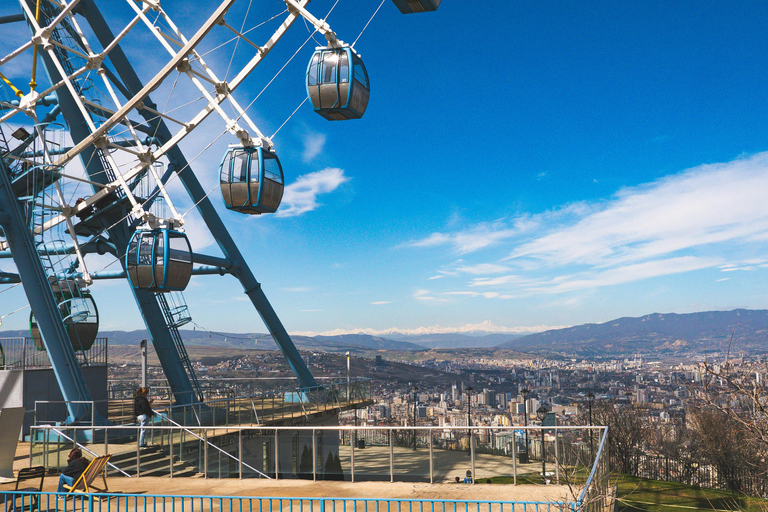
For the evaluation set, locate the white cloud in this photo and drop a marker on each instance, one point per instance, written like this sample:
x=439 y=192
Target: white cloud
x=381 y=302
x=483 y=268
x=301 y=196
x=313 y=146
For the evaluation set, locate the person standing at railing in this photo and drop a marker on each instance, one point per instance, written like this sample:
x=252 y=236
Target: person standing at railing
x=143 y=412
x=76 y=464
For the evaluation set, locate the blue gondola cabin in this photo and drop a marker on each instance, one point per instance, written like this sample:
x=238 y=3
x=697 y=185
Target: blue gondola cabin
x=251 y=180
x=159 y=260
x=337 y=83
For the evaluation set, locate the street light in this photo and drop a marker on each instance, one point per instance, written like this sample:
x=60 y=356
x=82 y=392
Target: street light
x=590 y=399
x=469 y=416
x=541 y=413
x=524 y=392
x=414 y=390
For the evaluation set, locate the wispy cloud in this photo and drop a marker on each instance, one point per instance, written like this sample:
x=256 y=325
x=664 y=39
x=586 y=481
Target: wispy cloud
x=701 y=218
x=478 y=237
x=301 y=196
x=381 y=302
x=314 y=143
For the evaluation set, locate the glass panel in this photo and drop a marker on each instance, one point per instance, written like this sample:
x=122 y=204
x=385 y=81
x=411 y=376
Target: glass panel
x=225 y=167
x=313 y=69
x=272 y=167
x=179 y=248
x=145 y=249
x=240 y=166
x=343 y=68
x=330 y=61
x=361 y=75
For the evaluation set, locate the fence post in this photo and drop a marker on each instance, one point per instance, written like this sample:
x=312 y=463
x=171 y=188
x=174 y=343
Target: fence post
x=431 y=461
x=557 y=459
x=205 y=452
x=170 y=452
x=514 y=458
x=314 y=455
x=240 y=452
x=277 y=456
x=391 y=458
x=352 y=454
x=472 y=453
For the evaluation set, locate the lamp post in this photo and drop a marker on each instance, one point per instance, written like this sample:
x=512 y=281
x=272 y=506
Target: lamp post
x=524 y=392
x=541 y=413
x=414 y=390
x=469 y=416
x=590 y=398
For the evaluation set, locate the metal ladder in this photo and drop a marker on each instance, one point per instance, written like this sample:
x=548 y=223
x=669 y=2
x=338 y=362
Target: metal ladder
x=172 y=323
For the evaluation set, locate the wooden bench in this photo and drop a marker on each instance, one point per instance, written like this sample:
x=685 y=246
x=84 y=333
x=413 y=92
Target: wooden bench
x=85 y=482
x=30 y=474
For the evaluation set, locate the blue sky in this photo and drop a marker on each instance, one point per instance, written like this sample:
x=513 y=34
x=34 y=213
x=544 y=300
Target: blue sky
x=520 y=165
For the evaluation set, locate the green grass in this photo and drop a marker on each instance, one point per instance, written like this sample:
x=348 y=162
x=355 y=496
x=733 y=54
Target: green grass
x=640 y=495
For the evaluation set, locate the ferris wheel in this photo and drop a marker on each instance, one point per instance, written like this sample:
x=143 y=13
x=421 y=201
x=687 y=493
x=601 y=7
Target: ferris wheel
x=88 y=154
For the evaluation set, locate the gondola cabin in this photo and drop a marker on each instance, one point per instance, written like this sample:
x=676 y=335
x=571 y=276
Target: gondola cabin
x=159 y=260
x=337 y=83
x=251 y=180
x=411 y=6
x=79 y=315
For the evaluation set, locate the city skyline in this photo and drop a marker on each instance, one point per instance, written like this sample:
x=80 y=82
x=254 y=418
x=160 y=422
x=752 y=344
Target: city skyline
x=519 y=167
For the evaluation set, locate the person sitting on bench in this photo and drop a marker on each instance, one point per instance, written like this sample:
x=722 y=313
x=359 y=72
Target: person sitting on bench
x=75 y=468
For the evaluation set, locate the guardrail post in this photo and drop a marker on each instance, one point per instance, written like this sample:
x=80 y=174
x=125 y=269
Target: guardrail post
x=138 y=455
x=391 y=458
x=431 y=461
x=352 y=455
x=557 y=459
x=314 y=455
x=277 y=456
x=472 y=454
x=240 y=452
x=205 y=453
x=514 y=458
x=170 y=452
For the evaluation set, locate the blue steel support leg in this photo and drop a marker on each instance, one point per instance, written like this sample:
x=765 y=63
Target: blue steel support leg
x=41 y=300
x=240 y=268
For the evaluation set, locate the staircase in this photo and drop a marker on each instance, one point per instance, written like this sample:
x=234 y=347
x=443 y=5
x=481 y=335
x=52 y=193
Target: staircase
x=154 y=461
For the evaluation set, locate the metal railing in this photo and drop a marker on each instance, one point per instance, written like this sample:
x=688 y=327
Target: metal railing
x=22 y=354
x=10 y=500
x=347 y=453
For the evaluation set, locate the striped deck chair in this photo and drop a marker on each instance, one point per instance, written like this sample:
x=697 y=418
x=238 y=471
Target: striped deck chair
x=85 y=482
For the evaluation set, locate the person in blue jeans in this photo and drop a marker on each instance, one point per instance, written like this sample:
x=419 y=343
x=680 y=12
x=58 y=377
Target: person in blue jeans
x=143 y=411
x=76 y=464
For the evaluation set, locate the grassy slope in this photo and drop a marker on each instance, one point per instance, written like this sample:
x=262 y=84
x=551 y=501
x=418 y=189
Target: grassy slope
x=637 y=494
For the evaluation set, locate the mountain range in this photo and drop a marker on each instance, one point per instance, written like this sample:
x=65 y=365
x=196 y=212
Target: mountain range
x=737 y=331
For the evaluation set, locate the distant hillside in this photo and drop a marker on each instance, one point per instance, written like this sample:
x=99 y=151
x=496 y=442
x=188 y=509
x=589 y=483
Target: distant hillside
x=456 y=340
x=657 y=334
x=260 y=341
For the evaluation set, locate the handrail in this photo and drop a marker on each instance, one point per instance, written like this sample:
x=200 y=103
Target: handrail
x=185 y=429
x=594 y=467
x=86 y=449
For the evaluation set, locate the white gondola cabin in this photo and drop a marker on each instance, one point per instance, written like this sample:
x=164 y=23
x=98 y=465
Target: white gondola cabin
x=251 y=180
x=411 y=6
x=159 y=260
x=337 y=83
